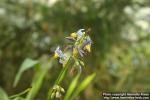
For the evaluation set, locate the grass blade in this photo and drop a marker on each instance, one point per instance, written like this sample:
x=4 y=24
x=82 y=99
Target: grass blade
x=72 y=87
x=38 y=79
x=83 y=85
x=28 y=63
x=3 y=95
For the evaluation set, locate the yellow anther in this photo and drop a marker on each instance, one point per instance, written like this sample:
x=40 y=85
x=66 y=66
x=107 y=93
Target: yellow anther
x=83 y=33
x=74 y=35
x=75 y=52
x=56 y=55
x=88 y=47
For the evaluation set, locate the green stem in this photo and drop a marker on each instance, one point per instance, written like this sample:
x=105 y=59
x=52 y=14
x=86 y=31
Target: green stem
x=60 y=77
x=19 y=94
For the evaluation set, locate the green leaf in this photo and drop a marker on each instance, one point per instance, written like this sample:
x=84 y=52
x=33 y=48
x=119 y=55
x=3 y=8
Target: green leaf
x=85 y=82
x=39 y=78
x=3 y=95
x=83 y=85
x=27 y=64
x=72 y=87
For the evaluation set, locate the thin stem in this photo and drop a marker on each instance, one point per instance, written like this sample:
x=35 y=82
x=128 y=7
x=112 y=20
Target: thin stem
x=60 y=77
x=19 y=94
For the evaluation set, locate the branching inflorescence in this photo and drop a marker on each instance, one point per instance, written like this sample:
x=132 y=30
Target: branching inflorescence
x=79 y=45
x=70 y=58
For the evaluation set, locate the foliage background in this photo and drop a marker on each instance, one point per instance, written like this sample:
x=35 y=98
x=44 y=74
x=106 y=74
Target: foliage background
x=120 y=33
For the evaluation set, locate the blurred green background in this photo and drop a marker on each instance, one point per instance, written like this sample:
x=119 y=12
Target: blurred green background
x=119 y=30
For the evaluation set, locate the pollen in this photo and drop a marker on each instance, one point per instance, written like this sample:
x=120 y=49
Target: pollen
x=56 y=55
x=75 y=52
x=88 y=47
x=74 y=35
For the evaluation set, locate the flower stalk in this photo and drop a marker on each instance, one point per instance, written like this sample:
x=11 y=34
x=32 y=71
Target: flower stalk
x=81 y=45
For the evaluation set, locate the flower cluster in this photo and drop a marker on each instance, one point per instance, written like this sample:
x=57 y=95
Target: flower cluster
x=57 y=90
x=82 y=42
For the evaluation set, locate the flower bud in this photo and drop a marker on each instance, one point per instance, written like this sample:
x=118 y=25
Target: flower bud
x=53 y=95
x=62 y=90
x=58 y=95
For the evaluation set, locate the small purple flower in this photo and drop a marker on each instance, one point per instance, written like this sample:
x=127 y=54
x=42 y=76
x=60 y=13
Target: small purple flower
x=87 y=44
x=77 y=34
x=80 y=33
x=59 y=53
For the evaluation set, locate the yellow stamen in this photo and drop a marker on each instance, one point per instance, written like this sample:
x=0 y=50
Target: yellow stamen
x=75 y=52
x=83 y=33
x=88 y=47
x=56 y=55
x=74 y=35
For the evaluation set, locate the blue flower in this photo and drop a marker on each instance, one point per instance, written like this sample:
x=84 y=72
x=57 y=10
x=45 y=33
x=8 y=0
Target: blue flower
x=78 y=34
x=59 y=54
x=87 y=44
